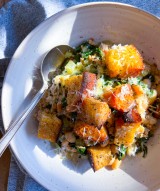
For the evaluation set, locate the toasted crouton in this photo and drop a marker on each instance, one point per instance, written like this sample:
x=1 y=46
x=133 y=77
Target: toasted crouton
x=49 y=126
x=88 y=83
x=138 y=90
x=94 y=112
x=126 y=132
x=79 y=87
x=99 y=157
x=132 y=116
x=141 y=99
x=73 y=84
x=120 y=98
x=116 y=164
x=124 y=61
x=90 y=134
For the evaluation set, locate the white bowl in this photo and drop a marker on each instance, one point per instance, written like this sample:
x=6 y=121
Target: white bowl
x=102 y=21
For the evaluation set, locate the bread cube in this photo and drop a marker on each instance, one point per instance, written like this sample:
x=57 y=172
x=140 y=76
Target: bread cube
x=94 y=112
x=91 y=134
x=137 y=90
x=132 y=116
x=142 y=102
x=116 y=164
x=88 y=84
x=124 y=61
x=79 y=87
x=73 y=84
x=120 y=98
x=126 y=132
x=49 y=126
x=99 y=157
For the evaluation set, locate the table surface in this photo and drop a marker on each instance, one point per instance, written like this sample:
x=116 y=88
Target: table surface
x=4 y=168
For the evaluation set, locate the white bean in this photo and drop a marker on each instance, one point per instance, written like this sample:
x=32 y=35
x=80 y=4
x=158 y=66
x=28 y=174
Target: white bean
x=70 y=137
x=65 y=146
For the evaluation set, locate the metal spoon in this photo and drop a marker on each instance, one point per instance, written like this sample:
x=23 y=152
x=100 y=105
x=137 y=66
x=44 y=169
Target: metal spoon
x=51 y=61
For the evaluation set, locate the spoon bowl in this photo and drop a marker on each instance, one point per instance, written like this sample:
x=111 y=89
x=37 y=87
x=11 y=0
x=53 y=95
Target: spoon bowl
x=53 y=59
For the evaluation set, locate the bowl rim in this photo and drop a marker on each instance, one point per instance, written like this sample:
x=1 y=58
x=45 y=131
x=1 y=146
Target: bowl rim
x=54 y=17
x=70 y=9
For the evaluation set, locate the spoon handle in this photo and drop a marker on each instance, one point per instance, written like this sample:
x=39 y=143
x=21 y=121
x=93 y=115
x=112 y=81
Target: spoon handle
x=13 y=127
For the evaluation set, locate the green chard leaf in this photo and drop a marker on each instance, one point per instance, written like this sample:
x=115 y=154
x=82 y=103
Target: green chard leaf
x=141 y=144
x=82 y=150
x=64 y=102
x=86 y=49
x=73 y=116
x=121 y=152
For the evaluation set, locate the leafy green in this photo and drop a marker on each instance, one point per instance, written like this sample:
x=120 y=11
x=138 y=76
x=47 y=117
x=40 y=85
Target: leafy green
x=86 y=49
x=64 y=102
x=82 y=150
x=121 y=152
x=113 y=81
x=99 y=52
x=142 y=148
x=141 y=144
x=135 y=81
x=107 y=80
x=80 y=146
